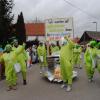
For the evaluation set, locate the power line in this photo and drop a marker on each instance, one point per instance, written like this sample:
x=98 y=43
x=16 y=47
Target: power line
x=74 y=6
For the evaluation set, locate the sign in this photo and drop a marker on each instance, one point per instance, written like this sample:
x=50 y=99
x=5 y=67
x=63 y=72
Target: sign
x=56 y=28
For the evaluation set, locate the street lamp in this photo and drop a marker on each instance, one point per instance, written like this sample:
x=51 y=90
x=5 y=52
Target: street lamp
x=96 y=25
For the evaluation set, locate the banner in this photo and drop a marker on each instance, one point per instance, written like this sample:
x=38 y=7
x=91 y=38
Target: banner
x=56 y=28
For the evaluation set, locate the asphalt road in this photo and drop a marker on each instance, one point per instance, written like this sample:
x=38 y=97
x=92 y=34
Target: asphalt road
x=40 y=89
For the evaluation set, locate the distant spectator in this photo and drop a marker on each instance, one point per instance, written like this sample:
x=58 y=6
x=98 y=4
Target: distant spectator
x=1 y=49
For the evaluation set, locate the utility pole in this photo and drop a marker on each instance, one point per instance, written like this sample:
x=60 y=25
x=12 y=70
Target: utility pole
x=73 y=27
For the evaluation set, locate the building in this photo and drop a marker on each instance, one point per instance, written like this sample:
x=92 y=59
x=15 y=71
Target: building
x=34 y=30
x=88 y=36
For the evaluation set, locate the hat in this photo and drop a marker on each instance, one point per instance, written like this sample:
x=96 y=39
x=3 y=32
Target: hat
x=92 y=43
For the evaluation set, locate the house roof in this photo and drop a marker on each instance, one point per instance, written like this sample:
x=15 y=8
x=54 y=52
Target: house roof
x=35 y=29
x=89 y=35
x=94 y=35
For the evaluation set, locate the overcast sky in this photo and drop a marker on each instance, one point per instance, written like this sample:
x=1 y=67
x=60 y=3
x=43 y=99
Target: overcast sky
x=43 y=9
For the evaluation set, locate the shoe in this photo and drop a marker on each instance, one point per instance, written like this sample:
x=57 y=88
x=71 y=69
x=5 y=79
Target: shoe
x=14 y=88
x=55 y=80
x=24 y=82
x=90 y=80
x=59 y=80
x=69 y=88
x=63 y=86
x=9 y=88
x=40 y=72
x=80 y=67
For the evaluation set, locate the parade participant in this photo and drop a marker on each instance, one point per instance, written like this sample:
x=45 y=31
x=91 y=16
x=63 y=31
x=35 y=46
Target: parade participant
x=9 y=59
x=98 y=45
x=41 y=50
x=98 y=56
x=21 y=59
x=29 y=58
x=89 y=58
x=54 y=48
x=1 y=65
x=66 y=59
x=77 y=56
x=1 y=49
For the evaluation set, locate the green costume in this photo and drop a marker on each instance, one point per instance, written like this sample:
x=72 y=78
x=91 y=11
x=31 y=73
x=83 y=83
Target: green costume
x=66 y=56
x=76 y=55
x=10 y=59
x=41 y=50
x=54 y=49
x=21 y=59
x=89 y=57
x=98 y=45
x=98 y=56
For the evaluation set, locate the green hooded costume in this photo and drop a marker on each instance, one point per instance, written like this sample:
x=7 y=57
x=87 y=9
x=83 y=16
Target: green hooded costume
x=9 y=60
x=21 y=59
x=89 y=57
x=54 y=49
x=41 y=50
x=98 y=56
x=76 y=54
x=66 y=59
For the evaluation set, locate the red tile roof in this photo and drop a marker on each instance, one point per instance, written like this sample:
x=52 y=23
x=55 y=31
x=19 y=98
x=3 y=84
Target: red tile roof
x=35 y=29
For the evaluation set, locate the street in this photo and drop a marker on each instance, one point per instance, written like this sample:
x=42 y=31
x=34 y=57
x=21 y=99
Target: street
x=40 y=89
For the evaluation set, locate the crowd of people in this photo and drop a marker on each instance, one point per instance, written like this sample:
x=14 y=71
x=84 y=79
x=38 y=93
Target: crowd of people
x=12 y=55
x=70 y=55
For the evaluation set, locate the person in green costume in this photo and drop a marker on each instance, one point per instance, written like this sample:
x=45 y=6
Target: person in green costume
x=76 y=56
x=98 y=45
x=90 y=60
x=98 y=56
x=54 y=48
x=42 y=54
x=21 y=59
x=66 y=63
x=9 y=59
